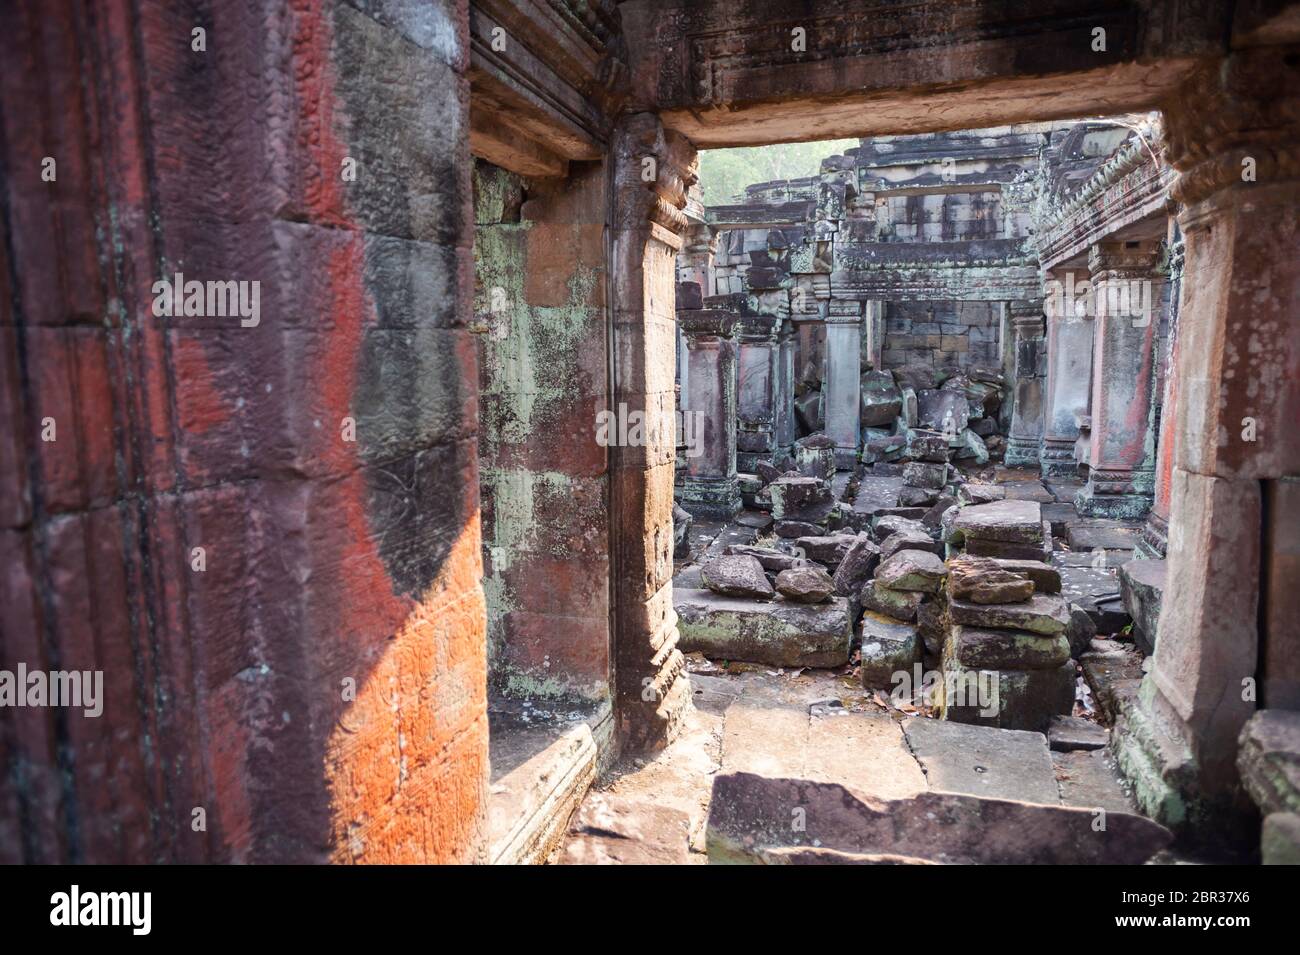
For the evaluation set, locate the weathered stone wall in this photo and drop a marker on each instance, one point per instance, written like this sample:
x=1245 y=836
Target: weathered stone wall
x=539 y=260
x=310 y=685
x=942 y=334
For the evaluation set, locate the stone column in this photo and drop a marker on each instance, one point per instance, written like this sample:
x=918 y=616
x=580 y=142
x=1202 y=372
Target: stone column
x=1126 y=296
x=709 y=486
x=756 y=391
x=844 y=379
x=695 y=261
x=1069 y=368
x=651 y=689
x=1026 y=320
x=786 y=428
x=1154 y=537
x=873 y=333
x=1232 y=133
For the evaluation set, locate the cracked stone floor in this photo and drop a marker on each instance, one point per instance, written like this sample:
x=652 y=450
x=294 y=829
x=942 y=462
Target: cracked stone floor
x=819 y=725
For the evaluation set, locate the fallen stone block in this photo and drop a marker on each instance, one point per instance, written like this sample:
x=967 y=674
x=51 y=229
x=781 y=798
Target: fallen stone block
x=1097 y=591
x=933 y=518
x=899 y=604
x=809 y=585
x=893 y=523
x=912 y=570
x=1046 y=578
x=923 y=474
x=1080 y=632
x=931 y=622
x=881 y=400
x=771 y=559
x=829 y=549
x=888 y=647
x=859 y=563
x=917 y=496
x=971 y=447
x=943 y=411
x=1142 y=586
x=980 y=493
x=681 y=532
x=927 y=446
x=791 y=530
x=978 y=649
x=750 y=816
x=1046 y=614
x=736 y=575
x=1007 y=550
x=800 y=499
x=1012 y=522
x=781 y=633
x=981 y=580
x=909 y=540
x=1009 y=699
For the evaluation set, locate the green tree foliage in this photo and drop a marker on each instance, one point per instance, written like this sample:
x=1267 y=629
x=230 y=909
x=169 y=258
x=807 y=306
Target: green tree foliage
x=724 y=173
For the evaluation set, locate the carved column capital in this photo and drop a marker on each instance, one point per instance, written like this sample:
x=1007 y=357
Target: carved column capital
x=1115 y=260
x=1236 y=123
x=654 y=170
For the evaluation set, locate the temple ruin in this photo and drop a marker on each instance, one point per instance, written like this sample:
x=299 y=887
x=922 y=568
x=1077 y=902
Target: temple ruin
x=548 y=513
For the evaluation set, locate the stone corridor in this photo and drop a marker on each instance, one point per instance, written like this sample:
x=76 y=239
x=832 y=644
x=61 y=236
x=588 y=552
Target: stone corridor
x=426 y=473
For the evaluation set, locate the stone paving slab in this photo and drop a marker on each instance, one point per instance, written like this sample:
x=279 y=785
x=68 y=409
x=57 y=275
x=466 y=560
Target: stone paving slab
x=983 y=761
x=1089 y=779
x=1096 y=590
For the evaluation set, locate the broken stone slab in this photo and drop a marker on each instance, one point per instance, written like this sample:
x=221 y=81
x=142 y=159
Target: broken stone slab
x=971 y=447
x=899 y=604
x=772 y=560
x=919 y=570
x=859 y=563
x=983 y=761
x=916 y=376
x=815 y=462
x=1268 y=757
x=876 y=492
x=736 y=575
x=909 y=540
x=1028 y=491
x=888 y=646
x=1069 y=733
x=1142 y=585
x=1114 y=679
x=781 y=633
x=767 y=473
x=808 y=585
x=981 y=580
x=828 y=549
x=749 y=817
x=800 y=499
x=1008 y=699
x=1011 y=522
x=980 y=493
x=924 y=474
x=1046 y=614
x=978 y=649
x=911 y=513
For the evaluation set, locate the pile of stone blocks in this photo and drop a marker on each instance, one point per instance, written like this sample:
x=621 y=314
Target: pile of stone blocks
x=1269 y=760
x=901 y=612
x=917 y=400
x=1007 y=650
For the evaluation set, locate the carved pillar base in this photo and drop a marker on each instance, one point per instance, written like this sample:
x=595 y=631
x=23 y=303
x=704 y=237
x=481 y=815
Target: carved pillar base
x=1119 y=494
x=1056 y=457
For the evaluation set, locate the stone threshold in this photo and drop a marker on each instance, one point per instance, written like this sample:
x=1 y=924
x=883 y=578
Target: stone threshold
x=544 y=757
